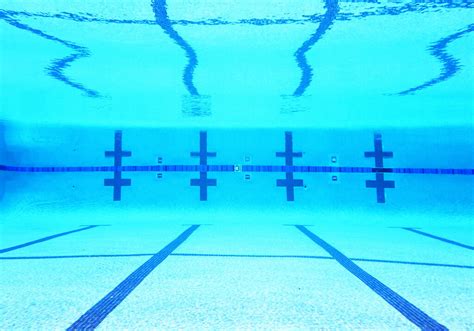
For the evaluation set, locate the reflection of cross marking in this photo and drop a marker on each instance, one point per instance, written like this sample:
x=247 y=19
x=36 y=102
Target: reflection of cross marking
x=117 y=182
x=380 y=184
x=289 y=182
x=203 y=182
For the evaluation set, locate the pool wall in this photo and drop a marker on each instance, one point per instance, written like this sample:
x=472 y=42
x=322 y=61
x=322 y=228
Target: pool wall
x=199 y=169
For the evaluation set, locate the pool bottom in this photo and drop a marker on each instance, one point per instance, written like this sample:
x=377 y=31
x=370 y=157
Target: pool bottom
x=235 y=271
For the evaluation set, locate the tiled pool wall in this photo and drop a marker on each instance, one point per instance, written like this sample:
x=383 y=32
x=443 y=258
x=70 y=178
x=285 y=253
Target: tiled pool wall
x=293 y=169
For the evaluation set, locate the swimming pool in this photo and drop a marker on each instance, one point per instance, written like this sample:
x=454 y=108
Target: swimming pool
x=236 y=165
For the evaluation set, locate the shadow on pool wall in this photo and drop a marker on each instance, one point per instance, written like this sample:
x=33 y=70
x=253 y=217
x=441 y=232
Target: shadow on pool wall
x=199 y=170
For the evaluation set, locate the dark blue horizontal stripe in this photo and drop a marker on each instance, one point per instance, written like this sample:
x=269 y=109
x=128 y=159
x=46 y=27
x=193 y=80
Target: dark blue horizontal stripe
x=37 y=241
x=46 y=257
x=449 y=241
x=87 y=256
x=327 y=258
x=245 y=168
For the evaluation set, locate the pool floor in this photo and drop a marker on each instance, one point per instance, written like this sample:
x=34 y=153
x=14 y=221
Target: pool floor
x=154 y=272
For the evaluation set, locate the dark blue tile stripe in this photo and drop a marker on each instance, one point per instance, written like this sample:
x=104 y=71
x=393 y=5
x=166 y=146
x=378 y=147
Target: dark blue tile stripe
x=37 y=241
x=87 y=256
x=428 y=264
x=407 y=309
x=328 y=258
x=94 y=316
x=449 y=241
x=245 y=168
x=47 y=257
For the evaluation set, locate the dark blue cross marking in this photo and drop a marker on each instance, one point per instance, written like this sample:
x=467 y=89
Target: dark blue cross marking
x=289 y=182
x=117 y=182
x=203 y=182
x=290 y=185
x=94 y=316
x=37 y=241
x=380 y=184
x=404 y=307
x=378 y=152
x=449 y=241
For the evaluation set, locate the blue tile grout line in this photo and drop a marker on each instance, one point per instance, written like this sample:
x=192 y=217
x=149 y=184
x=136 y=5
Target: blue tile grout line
x=95 y=315
x=37 y=241
x=262 y=256
x=244 y=168
x=403 y=306
x=429 y=235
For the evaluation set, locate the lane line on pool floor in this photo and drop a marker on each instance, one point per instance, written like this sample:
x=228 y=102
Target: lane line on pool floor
x=429 y=235
x=403 y=306
x=258 y=256
x=324 y=258
x=37 y=241
x=95 y=315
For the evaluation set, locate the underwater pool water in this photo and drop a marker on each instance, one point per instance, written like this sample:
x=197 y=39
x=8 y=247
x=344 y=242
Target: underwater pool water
x=265 y=164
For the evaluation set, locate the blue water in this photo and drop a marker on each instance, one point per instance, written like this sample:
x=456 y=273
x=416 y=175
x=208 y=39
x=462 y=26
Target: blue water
x=266 y=164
